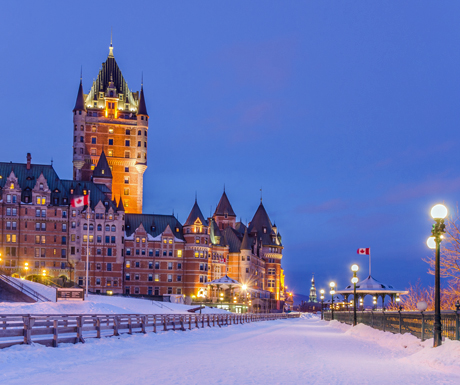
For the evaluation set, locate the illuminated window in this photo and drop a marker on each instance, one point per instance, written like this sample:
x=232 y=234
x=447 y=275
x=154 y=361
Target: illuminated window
x=43 y=200
x=128 y=264
x=165 y=240
x=157 y=277
x=170 y=241
x=126 y=192
x=143 y=240
x=126 y=179
x=197 y=254
x=38 y=200
x=179 y=253
x=110 y=153
x=93 y=167
x=110 y=130
x=11 y=186
x=93 y=128
x=197 y=240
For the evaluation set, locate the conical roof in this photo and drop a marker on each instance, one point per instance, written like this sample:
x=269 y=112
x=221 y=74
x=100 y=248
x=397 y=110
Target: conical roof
x=194 y=214
x=80 y=102
x=245 y=243
x=142 y=110
x=224 y=207
x=102 y=169
x=120 y=206
x=260 y=220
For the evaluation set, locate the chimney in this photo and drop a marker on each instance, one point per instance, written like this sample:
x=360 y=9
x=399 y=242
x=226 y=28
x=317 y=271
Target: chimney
x=29 y=158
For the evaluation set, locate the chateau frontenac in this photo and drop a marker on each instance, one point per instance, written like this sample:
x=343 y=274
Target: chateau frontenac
x=129 y=252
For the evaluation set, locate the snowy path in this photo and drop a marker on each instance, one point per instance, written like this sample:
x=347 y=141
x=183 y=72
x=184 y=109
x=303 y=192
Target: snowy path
x=296 y=351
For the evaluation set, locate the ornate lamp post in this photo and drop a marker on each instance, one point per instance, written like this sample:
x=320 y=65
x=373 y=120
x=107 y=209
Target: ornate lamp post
x=332 y=292
x=322 y=300
x=438 y=212
x=354 y=280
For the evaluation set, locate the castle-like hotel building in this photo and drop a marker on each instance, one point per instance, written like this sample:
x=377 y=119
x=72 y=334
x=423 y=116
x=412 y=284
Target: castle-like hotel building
x=129 y=252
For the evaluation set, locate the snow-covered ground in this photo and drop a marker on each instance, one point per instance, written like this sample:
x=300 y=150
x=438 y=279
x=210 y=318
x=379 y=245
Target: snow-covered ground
x=99 y=304
x=293 y=351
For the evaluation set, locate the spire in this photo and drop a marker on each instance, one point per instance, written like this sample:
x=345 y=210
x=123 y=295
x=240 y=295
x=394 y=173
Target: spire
x=111 y=47
x=195 y=214
x=245 y=244
x=80 y=102
x=102 y=169
x=120 y=205
x=142 y=109
x=224 y=207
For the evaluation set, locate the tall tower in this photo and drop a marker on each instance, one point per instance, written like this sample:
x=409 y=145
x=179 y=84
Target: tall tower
x=112 y=119
x=313 y=297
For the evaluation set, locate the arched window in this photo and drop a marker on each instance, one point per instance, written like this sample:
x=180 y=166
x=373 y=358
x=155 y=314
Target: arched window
x=91 y=227
x=113 y=228
x=85 y=226
x=99 y=227
x=107 y=227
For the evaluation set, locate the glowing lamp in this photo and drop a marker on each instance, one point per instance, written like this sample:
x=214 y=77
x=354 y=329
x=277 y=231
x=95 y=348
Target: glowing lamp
x=332 y=285
x=322 y=291
x=431 y=243
x=354 y=268
x=439 y=211
x=354 y=280
x=244 y=286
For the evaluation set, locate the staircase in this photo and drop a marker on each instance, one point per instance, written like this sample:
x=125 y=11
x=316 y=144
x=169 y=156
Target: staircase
x=24 y=289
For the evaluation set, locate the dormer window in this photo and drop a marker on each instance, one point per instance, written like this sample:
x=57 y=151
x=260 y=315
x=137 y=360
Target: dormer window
x=11 y=186
x=71 y=190
x=265 y=230
x=41 y=186
x=102 y=172
x=101 y=95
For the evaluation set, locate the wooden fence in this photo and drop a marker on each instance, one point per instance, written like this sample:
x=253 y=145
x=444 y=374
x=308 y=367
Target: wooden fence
x=419 y=324
x=51 y=330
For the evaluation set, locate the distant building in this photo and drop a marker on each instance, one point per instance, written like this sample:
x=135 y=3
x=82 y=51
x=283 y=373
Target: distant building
x=313 y=297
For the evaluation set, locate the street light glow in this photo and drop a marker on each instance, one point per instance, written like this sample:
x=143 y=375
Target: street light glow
x=354 y=268
x=354 y=280
x=431 y=243
x=439 y=211
x=244 y=286
x=332 y=284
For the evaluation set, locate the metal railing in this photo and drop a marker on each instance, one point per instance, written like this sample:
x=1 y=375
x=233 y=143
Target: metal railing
x=50 y=330
x=419 y=324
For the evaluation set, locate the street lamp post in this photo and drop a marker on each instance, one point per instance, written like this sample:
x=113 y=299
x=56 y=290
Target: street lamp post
x=354 y=280
x=332 y=292
x=322 y=300
x=438 y=212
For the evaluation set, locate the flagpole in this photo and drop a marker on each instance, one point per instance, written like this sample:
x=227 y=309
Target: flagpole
x=87 y=240
x=369 y=262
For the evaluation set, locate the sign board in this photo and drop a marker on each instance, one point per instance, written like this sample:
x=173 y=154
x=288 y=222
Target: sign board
x=71 y=293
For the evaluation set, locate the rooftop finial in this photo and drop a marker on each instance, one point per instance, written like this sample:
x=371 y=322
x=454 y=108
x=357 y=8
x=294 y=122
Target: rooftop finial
x=195 y=196
x=142 y=79
x=224 y=187
x=261 y=195
x=81 y=74
x=111 y=47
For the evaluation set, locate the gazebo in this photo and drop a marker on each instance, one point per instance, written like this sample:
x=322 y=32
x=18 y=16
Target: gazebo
x=224 y=283
x=371 y=286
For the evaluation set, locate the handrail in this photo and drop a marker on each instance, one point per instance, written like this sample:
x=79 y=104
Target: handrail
x=24 y=289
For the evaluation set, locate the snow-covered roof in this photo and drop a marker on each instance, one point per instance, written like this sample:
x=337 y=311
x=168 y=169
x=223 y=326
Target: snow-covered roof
x=371 y=286
x=225 y=280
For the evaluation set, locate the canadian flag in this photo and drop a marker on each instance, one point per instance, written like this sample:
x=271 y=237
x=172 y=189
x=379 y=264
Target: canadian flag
x=80 y=201
x=364 y=251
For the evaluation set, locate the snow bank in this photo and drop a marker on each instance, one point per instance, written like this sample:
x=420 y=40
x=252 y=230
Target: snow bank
x=46 y=291
x=409 y=348
x=98 y=304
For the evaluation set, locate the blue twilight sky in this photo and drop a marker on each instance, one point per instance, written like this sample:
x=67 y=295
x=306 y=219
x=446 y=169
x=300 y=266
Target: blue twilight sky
x=345 y=113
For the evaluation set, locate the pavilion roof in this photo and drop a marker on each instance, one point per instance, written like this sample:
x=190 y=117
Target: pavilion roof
x=371 y=286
